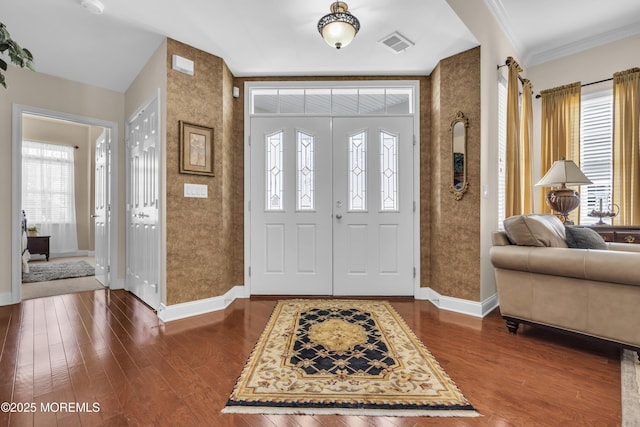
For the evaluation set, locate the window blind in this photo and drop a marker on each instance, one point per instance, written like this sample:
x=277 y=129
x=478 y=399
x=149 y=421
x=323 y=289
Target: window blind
x=502 y=148
x=596 y=131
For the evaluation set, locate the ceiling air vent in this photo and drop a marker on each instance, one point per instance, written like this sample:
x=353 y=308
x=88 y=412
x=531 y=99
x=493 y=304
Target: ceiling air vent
x=396 y=42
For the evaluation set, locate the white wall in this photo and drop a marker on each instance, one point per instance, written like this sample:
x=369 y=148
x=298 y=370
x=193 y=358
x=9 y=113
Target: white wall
x=50 y=93
x=494 y=50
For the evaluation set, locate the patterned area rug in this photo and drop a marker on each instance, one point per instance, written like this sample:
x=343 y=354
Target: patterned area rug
x=630 y=371
x=43 y=272
x=347 y=358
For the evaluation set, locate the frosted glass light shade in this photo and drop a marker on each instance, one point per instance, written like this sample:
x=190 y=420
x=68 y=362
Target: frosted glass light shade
x=562 y=173
x=338 y=34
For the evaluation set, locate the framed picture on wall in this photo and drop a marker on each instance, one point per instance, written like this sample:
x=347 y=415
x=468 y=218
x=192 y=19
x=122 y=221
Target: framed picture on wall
x=196 y=149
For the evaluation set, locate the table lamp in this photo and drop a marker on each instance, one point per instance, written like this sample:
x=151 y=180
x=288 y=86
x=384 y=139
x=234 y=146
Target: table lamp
x=563 y=200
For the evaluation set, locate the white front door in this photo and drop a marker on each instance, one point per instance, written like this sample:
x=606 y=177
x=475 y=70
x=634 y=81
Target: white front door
x=101 y=209
x=331 y=206
x=291 y=206
x=143 y=234
x=373 y=206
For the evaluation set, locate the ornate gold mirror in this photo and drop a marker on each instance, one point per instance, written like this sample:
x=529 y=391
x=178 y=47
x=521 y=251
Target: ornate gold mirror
x=459 y=127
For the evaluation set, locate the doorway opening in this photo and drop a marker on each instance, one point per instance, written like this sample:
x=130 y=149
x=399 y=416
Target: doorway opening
x=62 y=179
x=332 y=185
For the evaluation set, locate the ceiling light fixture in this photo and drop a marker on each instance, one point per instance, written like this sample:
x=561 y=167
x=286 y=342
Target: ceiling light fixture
x=339 y=27
x=93 y=6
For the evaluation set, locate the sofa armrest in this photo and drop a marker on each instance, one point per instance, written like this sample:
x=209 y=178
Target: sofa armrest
x=623 y=247
x=600 y=265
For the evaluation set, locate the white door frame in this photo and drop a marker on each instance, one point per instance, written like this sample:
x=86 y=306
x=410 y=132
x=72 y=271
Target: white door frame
x=248 y=86
x=16 y=189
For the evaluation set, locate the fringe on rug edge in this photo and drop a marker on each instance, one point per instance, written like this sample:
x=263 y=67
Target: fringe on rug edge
x=345 y=411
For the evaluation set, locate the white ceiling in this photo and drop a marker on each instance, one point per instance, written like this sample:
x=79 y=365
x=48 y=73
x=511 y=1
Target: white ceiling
x=268 y=38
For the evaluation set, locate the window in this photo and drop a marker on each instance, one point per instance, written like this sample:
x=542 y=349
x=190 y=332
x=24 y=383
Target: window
x=502 y=148
x=358 y=172
x=388 y=171
x=48 y=193
x=306 y=172
x=596 y=158
x=350 y=101
x=275 y=171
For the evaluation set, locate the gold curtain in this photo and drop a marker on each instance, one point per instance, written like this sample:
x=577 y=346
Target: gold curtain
x=526 y=135
x=560 y=133
x=513 y=196
x=626 y=146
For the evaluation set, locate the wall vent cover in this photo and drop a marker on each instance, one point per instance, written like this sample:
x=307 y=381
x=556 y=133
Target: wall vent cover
x=396 y=42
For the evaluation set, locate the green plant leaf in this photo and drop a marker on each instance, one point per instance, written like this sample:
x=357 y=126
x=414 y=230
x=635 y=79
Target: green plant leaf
x=20 y=56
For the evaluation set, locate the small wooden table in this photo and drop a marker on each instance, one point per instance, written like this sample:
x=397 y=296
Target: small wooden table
x=38 y=245
x=618 y=233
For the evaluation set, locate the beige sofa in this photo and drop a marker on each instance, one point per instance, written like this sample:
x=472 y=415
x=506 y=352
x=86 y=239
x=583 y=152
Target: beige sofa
x=542 y=281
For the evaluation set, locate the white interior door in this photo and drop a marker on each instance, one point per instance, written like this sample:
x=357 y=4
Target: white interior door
x=373 y=206
x=291 y=206
x=102 y=212
x=143 y=234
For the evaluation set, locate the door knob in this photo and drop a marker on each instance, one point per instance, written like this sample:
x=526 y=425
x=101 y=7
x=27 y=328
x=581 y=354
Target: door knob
x=95 y=216
x=338 y=216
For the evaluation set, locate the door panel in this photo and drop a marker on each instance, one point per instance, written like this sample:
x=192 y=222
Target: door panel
x=101 y=209
x=143 y=251
x=291 y=206
x=373 y=206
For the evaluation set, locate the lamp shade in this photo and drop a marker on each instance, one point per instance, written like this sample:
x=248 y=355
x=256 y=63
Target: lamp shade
x=562 y=173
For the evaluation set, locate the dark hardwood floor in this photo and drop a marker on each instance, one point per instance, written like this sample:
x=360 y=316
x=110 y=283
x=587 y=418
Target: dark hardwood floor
x=109 y=348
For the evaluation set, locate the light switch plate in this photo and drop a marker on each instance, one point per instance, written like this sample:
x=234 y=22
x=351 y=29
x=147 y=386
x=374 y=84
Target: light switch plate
x=200 y=191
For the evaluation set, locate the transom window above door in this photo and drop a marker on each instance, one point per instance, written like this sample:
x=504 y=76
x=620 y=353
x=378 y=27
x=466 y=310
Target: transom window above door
x=338 y=101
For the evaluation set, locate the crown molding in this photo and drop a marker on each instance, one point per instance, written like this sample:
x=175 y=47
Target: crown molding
x=500 y=13
x=545 y=55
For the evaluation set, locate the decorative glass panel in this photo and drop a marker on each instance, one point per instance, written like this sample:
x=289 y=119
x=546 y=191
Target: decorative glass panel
x=275 y=171
x=291 y=101
x=399 y=101
x=265 y=101
x=358 y=172
x=344 y=101
x=388 y=171
x=371 y=101
x=306 y=172
x=318 y=101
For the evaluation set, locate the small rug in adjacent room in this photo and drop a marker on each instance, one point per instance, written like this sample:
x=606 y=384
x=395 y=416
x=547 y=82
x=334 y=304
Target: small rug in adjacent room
x=630 y=379
x=346 y=358
x=44 y=272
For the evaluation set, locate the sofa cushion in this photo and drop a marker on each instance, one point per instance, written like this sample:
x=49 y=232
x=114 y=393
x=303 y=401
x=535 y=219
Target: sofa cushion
x=584 y=238
x=536 y=230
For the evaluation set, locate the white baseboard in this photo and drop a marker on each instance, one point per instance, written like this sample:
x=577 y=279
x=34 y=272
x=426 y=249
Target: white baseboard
x=458 y=305
x=194 y=308
x=116 y=284
x=6 y=298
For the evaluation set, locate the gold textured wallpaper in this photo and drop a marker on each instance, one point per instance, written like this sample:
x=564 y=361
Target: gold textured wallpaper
x=205 y=237
x=200 y=232
x=451 y=255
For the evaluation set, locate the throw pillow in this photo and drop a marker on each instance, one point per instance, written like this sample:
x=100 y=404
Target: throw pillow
x=584 y=238
x=536 y=230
